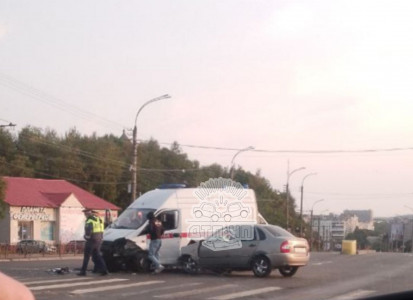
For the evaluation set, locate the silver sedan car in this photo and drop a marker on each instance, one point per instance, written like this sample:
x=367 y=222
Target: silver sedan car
x=260 y=248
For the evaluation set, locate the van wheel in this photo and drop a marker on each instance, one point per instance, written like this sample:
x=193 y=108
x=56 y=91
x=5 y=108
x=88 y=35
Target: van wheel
x=261 y=266
x=112 y=265
x=288 y=271
x=189 y=265
x=145 y=264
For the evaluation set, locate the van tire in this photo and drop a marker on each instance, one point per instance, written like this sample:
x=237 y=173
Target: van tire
x=112 y=265
x=144 y=264
x=189 y=265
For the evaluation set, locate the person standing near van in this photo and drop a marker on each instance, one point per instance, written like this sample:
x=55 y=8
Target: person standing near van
x=93 y=236
x=155 y=231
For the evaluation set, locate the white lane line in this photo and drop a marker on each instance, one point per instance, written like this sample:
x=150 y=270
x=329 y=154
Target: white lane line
x=54 y=280
x=353 y=295
x=63 y=285
x=115 y=287
x=321 y=263
x=195 y=292
x=246 y=293
x=185 y=285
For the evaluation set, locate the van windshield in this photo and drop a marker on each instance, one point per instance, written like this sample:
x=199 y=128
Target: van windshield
x=131 y=218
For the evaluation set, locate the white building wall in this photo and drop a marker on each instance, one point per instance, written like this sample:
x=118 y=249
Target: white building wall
x=71 y=220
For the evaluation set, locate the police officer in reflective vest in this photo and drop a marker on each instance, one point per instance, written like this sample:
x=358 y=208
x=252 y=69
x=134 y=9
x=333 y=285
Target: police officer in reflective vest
x=93 y=235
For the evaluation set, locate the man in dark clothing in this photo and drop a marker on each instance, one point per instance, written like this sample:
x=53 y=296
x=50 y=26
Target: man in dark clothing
x=93 y=236
x=155 y=231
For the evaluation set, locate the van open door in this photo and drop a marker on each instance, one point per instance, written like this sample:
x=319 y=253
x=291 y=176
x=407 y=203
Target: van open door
x=171 y=239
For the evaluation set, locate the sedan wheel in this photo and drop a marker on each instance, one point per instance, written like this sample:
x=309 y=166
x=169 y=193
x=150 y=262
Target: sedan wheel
x=261 y=266
x=288 y=271
x=190 y=266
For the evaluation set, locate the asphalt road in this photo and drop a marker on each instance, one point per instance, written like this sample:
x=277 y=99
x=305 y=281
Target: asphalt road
x=328 y=276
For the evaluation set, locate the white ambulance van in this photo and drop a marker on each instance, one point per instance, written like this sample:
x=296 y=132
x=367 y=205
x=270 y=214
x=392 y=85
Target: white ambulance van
x=186 y=214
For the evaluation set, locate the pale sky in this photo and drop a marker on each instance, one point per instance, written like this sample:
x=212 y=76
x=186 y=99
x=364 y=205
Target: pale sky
x=276 y=75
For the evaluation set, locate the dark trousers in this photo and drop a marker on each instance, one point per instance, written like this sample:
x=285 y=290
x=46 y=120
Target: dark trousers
x=92 y=249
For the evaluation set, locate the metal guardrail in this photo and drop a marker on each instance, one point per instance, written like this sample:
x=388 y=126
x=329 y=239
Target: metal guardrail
x=10 y=251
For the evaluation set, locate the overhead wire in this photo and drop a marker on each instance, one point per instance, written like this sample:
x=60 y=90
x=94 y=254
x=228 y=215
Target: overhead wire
x=41 y=96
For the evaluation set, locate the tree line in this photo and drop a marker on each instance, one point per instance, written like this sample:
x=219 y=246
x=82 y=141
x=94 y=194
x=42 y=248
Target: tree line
x=102 y=166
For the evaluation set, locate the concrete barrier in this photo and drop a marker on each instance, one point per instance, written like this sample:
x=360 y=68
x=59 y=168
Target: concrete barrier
x=349 y=247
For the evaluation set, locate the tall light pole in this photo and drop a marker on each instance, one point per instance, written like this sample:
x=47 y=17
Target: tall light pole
x=287 y=189
x=301 y=204
x=135 y=144
x=311 y=222
x=235 y=155
x=411 y=244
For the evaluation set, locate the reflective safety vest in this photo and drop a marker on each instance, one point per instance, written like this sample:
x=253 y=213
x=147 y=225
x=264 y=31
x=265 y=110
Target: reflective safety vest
x=97 y=224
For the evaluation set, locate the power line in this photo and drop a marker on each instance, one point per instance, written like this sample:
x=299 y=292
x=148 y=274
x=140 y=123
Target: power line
x=41 y=96
x=295 y=151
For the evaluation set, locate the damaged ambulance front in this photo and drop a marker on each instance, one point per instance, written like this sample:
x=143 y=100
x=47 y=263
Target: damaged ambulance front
x=124 y=244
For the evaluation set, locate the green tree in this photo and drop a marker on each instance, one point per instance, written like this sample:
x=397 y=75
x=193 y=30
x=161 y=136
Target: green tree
x=360 y=235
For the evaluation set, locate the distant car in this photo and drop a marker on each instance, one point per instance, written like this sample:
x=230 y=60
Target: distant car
x=75 y=246
x=33 y=246
x=268 y=247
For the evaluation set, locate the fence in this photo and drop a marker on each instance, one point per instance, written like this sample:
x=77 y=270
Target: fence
x=32 y=249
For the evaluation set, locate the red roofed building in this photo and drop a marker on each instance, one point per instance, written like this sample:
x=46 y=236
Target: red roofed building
x=48 y=210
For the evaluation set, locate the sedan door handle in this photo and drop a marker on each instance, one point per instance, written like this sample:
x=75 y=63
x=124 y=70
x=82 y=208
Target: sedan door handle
x=252 y=245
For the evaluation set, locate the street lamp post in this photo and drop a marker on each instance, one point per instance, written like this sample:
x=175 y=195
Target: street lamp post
x=411 y=244
x=288 y=192
x=235 y=155
x=311 y=222
x=135 y=144
x=301 y=204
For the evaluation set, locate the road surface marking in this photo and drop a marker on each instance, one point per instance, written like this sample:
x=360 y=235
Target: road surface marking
x=321 y=263
x=54 y=280
x=115 y=287
x=353 y=295
x=63 y=285
x=246 y=293
x=160 y=289
x=195 y=292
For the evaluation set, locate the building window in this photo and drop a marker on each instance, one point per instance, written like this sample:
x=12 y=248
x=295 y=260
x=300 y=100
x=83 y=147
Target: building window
x=25 y=230
x=47 y=231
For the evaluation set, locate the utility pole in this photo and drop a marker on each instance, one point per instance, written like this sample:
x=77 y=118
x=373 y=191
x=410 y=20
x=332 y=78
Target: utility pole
x=311 y=222
x=134 y=167
x=288 y=191
x=233 y=159
x=301 y=205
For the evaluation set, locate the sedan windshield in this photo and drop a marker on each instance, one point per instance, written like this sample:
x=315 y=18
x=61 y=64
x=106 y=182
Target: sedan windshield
x=131 y=218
